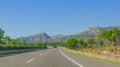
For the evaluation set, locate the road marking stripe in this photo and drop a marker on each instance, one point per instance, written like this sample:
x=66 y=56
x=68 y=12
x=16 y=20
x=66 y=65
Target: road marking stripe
x=70 y=59
x=30 y=60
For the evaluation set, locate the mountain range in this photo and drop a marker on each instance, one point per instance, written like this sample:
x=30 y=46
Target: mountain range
x=89 y=33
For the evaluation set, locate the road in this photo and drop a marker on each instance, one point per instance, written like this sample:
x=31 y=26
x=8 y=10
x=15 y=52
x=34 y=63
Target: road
x=51 y=58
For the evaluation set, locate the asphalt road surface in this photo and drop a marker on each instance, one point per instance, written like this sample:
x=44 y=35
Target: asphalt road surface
x=51 y=58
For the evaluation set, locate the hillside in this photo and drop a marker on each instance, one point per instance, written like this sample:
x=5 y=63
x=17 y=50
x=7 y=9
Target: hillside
x=57 y=38
x=41 y=37
x=89 y=33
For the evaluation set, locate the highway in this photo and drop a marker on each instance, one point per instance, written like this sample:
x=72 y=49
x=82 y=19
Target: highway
x=56 y=57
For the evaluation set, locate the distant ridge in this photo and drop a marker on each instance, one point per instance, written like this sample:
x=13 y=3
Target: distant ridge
x=89 y=33
x=41 y=37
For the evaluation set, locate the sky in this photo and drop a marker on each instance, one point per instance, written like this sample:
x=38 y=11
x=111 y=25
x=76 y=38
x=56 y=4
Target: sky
x=28 y=17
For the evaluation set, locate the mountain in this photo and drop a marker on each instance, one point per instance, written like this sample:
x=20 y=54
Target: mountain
x=41 y=37
x=57 y=38
x=89 y=33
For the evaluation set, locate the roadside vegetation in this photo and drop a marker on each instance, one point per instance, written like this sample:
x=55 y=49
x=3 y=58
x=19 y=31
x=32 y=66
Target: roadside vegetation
x=56 y=44
x=6 y=43
x=106 y=45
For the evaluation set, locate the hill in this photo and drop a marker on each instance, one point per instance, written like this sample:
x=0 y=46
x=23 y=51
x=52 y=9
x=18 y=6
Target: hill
x=89 y=33
x=41 y=37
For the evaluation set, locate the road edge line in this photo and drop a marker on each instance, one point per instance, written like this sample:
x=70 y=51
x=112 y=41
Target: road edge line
x=70 y=59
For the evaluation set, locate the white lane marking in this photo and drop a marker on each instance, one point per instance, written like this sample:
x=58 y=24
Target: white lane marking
x=30 y=60
x=70 y=59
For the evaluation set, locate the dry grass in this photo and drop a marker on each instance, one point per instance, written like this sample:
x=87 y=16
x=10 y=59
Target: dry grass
x=109 y=54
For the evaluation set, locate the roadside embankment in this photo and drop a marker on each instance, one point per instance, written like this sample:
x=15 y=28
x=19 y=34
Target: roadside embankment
x=109 y=54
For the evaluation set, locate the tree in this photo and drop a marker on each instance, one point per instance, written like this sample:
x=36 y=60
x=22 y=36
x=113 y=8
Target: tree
x=81 y=43
x=15 y=42
x=85 y=45
x=37 y=44
x=44 y=44
x=1 y=34
x=115 y=36
x=111 y=35
x=101 y=43
x=90 y=42
x=53 y=44
x=6 y=40
x=30 y=44
x=72 y=43
x=24 y=42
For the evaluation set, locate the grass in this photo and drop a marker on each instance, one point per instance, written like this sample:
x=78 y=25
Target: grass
x=97 y=57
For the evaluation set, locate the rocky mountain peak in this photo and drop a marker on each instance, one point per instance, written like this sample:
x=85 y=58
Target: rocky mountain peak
x=89 y=33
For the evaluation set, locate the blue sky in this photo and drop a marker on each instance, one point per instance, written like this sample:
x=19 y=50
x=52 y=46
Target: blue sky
x=28 y=17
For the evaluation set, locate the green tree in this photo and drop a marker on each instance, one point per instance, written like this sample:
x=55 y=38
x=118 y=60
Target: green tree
x=72 y=43
x=90 y=42
x=44 y=44
x=111 y=35
x=101 y=43
x=85 y=45
x=81 y=43
x=17 y=42
x=6 y=40
x=30 y=44
x=24 y=42
x=115 y=36
x=37 y=44
x=1 y=35
x=13 y=42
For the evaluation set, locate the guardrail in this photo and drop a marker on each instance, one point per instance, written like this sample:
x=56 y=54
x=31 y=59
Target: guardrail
x=10 y=52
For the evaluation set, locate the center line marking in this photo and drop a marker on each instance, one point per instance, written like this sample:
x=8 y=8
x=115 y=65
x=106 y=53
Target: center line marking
x=30 y=60
x=70 y=59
